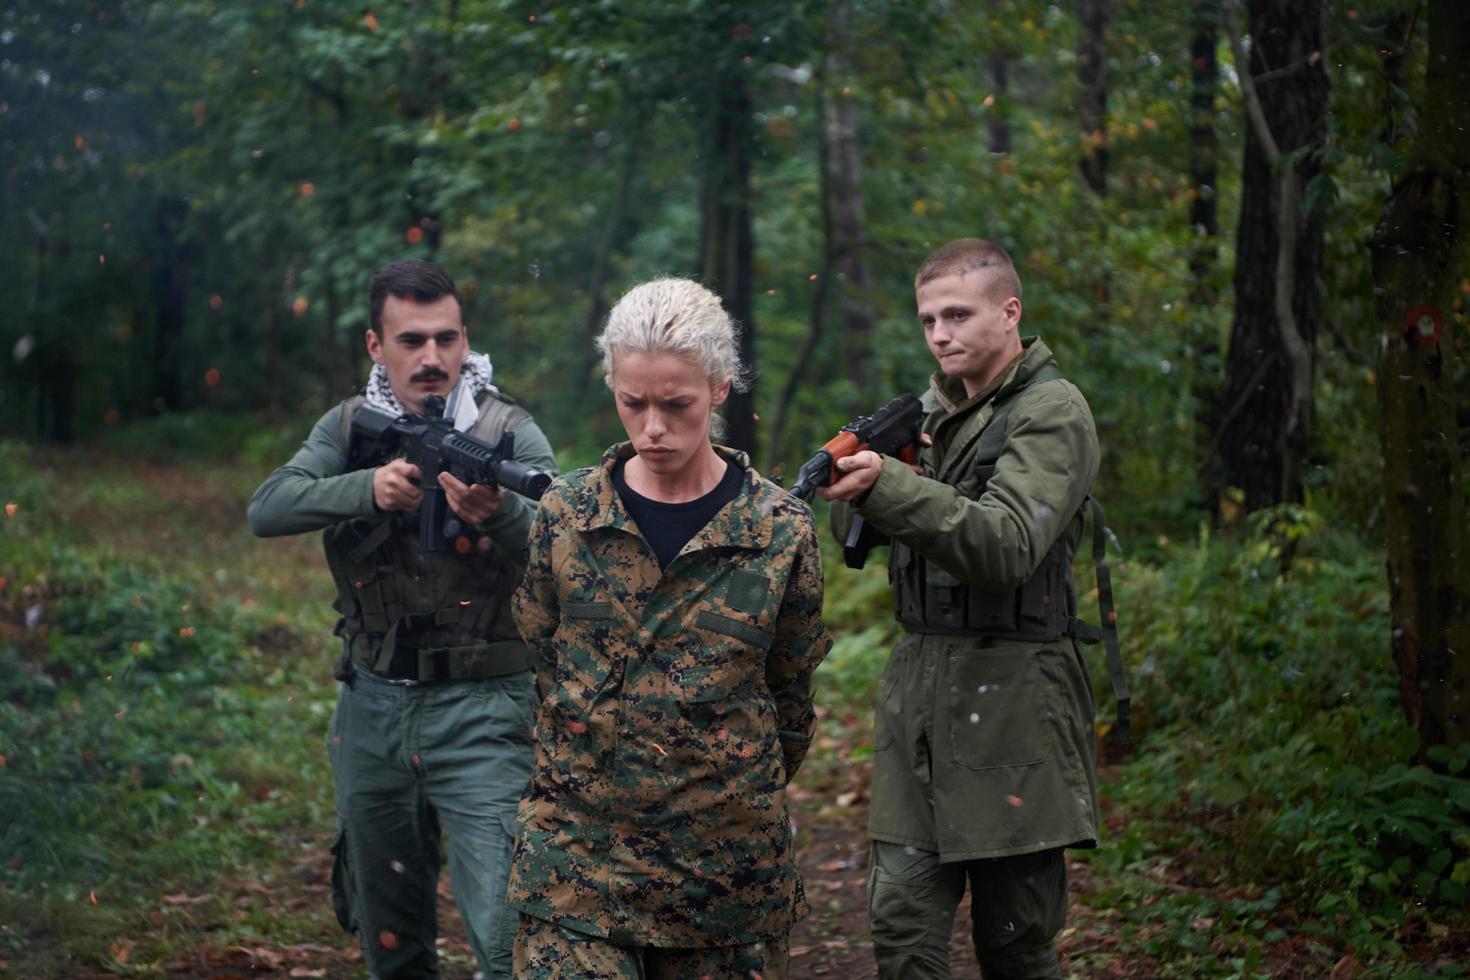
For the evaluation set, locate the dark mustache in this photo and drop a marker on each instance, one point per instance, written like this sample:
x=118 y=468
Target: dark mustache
x=429 y=374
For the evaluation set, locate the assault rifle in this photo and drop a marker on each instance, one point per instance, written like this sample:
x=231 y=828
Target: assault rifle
x=430 y=442
x=892 y=430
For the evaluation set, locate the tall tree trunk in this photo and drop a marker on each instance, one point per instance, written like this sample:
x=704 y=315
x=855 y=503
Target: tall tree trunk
x=597 y=277
x=168 y=305
x=1203 y=214
x=1204 y=220
x=997 y=120
x=818 y=315
x=338 y=367
x=271 y=305
x=1266 y=404
x=1420 y=251
x=727 y=242
x=844 y=220
x=1092 y=94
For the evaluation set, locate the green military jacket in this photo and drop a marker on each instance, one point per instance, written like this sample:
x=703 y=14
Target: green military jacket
x=451 y=610
x=677 y=706
x=984 y=738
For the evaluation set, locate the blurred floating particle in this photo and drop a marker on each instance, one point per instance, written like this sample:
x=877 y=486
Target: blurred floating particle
x=111 y=417
x=79 y=142
x=770 y=292
x=812 y=277
x=93 y=897
x=1014 y=800
x=211 y=377
x=371 y=23
x=216 y=302
x=101 y=260
x=186 y=631
x=119 y=714
x=306 y=188
x=386 y=939
x=513 y=122
x=23 y=348
x=300 y=305
x=397 y=866
x=414 y=235
x=10 y=510
x=988 y=101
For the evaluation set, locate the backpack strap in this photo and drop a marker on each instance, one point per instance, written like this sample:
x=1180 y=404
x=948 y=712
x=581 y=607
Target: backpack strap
x=1108 y=634
x=344 y=424
x=499 y=413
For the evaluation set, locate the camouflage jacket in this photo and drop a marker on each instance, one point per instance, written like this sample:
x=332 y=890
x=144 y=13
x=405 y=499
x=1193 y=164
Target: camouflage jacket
x=677 y=706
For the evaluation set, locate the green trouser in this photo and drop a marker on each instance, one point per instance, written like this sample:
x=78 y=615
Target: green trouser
x=407 y=761
x=1017 y=906
x=546 y=951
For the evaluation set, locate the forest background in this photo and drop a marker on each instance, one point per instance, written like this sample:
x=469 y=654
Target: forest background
x=1259 y=277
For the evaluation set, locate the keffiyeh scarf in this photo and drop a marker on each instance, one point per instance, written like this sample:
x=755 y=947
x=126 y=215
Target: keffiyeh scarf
x=474 y=378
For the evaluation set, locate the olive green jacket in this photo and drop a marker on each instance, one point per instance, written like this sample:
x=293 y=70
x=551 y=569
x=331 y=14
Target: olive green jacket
x=984 y=744
x=677 y=706
x=449 y=608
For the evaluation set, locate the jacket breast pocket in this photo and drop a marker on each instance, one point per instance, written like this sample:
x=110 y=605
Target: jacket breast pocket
x=583 y=643
x=998 y=709
x=728 y=660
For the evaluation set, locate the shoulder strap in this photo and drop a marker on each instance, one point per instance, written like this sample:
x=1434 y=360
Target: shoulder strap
x=344 y=426
x=499 y=413
x=1116 y=674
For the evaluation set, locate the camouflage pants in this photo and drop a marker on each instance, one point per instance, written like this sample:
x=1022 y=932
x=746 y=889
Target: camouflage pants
x=408 y=761
x=544 y=951
x=1017 y=906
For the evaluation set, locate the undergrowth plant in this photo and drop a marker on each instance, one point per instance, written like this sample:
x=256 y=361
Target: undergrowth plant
x=146 y=741
x=1271 y=738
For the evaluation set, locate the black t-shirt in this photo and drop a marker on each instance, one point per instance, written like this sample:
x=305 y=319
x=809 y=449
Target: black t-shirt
x=668 y=527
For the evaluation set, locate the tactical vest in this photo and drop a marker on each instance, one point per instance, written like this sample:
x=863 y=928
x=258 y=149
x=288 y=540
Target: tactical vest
x=425 y=617
x=928 y=599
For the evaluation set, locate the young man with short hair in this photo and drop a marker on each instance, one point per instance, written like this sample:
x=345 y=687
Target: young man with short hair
x=984 y=762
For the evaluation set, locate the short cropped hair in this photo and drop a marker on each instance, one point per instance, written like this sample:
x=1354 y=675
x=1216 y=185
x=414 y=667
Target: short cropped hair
x=674 y=316
x=415 y=279
x=969 y=255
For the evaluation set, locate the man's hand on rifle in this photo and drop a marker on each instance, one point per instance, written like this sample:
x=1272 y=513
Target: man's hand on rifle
x=474 y=504
x=858 y=473
x=395 y=486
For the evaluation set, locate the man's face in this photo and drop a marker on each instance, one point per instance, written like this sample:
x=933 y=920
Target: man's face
x=665 y=401
x=971 y=335
x=422 y=346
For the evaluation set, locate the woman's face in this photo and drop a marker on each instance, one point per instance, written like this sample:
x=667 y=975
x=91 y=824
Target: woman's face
x=665 y=401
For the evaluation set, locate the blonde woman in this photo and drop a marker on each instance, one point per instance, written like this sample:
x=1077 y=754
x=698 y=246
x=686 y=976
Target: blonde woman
x=673 y=597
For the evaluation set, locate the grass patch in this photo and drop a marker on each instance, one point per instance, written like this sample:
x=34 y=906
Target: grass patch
x=160 y=732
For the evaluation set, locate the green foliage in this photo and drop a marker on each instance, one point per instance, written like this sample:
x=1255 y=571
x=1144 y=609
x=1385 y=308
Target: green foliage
x=147 y=740
x=858 y=609
x=1270 y=731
